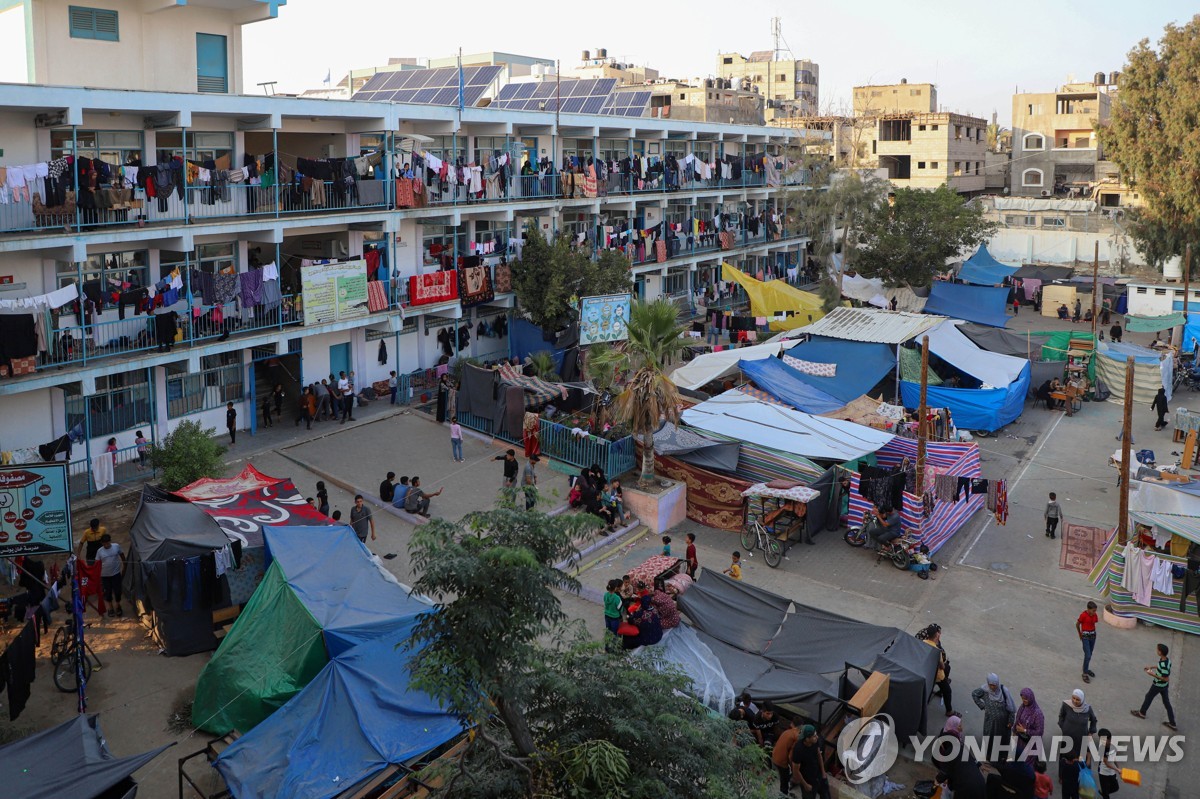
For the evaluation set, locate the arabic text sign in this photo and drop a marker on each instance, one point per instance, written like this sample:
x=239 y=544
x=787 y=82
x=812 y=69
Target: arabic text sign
x=35 y=510
x=334 y=292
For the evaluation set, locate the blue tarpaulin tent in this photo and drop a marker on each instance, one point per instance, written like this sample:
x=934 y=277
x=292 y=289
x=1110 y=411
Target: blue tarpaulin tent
x=785 y=384
x=861 y=365
x=974 y=408
x=984 y=270
x=987 y=306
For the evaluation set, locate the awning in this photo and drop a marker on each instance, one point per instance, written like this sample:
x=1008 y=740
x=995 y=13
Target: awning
x=972 y=303
x=743 y=418
x=984 y=270
x=872 y=324
x=948 y=343
x=703 y=369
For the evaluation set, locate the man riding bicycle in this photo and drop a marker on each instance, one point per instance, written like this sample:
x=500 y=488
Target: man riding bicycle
x=888 y=529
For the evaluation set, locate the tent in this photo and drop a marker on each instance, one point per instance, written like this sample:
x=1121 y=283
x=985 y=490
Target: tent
x=358 y=716
x=1004 y=382
x=993 y=339
x=70 y=759
x=1055 y=295
x=789 y=653
x=971 y=303
x=861 y=365
x=1044 y=272
x=982 y=269
x=691 y=447
x=703 y=369
x=785 y=384
x=777 y=296
x=503 y=394
x=323 y=594
x=742 y=418
x=1152 y=370
x=872 y=291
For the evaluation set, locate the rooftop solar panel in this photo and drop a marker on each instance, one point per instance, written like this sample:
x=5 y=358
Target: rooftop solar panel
x=429 y=86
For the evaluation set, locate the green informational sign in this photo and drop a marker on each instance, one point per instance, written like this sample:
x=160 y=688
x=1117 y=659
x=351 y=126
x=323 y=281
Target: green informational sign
x=604 y=318
x=35 y=510
x=334 y=292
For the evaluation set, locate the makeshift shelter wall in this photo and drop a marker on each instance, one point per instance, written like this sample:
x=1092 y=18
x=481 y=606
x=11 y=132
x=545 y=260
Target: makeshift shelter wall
x=949 y=343
x=982 y=269
x=1148 y=378
x=872 y=292
x=1163 y=610
x=1054 y=295
x=703 y=369
x=861 y=365
x=714 y=500
x=987 y=306
x=975 y=408
x=1019 y=345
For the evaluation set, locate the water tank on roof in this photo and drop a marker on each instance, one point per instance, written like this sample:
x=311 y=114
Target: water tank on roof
x=903 y=81
x=737 y=84
x=587 y=55
x=602 y=53
x=1112 y=78
x=708 y=83
x=1098 y=79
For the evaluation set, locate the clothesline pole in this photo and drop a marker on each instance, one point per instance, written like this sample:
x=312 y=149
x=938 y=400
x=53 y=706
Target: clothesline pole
x=1126 y=436
x=1096 y=290
x=922 y=423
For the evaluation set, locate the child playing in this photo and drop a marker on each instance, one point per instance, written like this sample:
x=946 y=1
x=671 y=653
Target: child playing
x=1043 y=786
x=692 y=562
x=666 y=550
x=735 y=568
x=1053 y=514
x=1068 y=776
x=140 y=442
x=612 y=606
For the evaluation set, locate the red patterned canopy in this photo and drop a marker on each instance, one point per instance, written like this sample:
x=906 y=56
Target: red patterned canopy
x=243 y=505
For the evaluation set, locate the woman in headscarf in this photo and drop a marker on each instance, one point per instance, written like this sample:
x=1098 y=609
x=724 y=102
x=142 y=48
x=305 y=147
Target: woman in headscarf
x=1029 y=723
x=998 y=709
x=932 y=635
x=1076 y=719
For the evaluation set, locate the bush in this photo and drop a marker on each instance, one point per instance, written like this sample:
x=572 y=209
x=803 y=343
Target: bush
x=186 y=455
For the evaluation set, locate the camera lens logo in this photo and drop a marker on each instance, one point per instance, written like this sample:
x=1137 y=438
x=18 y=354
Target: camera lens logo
x=868 y=747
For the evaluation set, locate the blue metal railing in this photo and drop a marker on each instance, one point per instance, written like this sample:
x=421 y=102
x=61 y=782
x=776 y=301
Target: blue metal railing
x=558 y=442
x=128 y=469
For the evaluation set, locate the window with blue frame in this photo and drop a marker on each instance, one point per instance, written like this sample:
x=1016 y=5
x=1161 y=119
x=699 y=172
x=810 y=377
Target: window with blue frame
x=212 y=63
x=93 y=23
x=219 y=381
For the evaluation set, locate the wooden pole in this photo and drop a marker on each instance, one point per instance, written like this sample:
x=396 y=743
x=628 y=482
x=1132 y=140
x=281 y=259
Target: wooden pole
x=922 y=412
x=1187 y=282
x=1126 y=441
x=1095 y=291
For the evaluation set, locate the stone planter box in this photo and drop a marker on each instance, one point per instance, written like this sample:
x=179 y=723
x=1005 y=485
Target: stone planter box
x=659 y=511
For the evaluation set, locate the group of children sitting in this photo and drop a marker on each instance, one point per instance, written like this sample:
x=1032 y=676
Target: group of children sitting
x=599 y=496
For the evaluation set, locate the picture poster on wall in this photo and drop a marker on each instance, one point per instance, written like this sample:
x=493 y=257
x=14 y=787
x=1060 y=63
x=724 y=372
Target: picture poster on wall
x=35 y=510
x=604 y=318
x=334 y=292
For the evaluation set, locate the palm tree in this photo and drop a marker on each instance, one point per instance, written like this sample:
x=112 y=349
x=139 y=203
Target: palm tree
x=649 y=396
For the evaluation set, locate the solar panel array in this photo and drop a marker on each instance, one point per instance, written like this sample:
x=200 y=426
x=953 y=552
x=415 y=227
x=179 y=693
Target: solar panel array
x=627 y=104
x=586 y=96
x=429 y=86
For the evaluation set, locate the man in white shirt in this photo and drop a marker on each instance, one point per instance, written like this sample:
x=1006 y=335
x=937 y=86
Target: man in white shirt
x=111 y=564
x=343 y=386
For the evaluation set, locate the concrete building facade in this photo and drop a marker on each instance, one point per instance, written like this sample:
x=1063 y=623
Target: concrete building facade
x=601 y=66
x=895 y=98
x=102 y=366
x=712 y=100
x=1055 y=150
x=925 y=150
x=790 y=87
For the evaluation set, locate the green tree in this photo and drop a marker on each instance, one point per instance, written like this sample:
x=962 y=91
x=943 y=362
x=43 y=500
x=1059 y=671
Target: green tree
x=908 y=242
x=649 y=396
x=563 y=719
x=186 y=454
x=543 y=366
x=1151 y=136
x=550 y=277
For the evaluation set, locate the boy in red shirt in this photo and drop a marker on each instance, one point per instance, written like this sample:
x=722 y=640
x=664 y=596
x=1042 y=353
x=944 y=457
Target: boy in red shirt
x=1043 y=786
x=692 y=563
x=1085 y=625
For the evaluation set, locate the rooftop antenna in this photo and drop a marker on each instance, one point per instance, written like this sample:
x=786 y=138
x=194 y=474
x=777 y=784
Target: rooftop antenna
x=777 y=35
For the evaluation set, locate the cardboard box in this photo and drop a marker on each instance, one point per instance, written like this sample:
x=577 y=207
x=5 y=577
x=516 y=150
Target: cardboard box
x=24 y=366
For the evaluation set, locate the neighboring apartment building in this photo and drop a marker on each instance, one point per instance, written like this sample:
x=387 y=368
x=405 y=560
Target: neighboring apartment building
x=791 y=87
x=103 y=365
x=1055 y=150
x=895 y=98
x=604 y=67
x=923 y=151
x=710 y=100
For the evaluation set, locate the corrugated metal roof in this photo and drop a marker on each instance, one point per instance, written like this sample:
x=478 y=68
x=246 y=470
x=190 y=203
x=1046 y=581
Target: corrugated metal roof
x=872 y=324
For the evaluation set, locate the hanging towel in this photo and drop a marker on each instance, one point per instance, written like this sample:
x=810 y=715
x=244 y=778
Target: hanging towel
x=102 y=471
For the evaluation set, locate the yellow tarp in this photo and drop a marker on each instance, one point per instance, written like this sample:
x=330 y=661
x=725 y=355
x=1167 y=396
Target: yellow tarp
x=776 y=296
x=1056 y=295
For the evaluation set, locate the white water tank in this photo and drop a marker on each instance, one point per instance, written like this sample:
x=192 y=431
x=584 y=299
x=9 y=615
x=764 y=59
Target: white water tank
x=1173 y=268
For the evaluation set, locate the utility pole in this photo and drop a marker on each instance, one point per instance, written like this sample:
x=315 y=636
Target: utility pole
x=922 y=412
x=1095 y=289
x=1126 y=436
x=1187 y=281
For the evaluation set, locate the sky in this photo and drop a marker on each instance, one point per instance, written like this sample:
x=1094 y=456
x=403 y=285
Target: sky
x=977 y=55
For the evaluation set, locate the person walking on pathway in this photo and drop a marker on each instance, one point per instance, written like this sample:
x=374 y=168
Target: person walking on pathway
x=1085 y=625
x=1075 y=720
x=1159 y=406
x=231 y=422
x=393 y=386
x=510 y=467
x=140 y=442
x=456 y=439
x=1160 y=682
x=361 y=519
x=998 y=710
x=1053 y=514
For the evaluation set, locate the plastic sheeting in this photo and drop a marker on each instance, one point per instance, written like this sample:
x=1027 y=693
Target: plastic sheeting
x=982 y=269
x=1044 y=272
x=871 y=363
x=354 y=719
x=776 y=296
x=993 y=339
x=691 y=447
x=784 y=384
x=948 y=343
x=1153 y=324
x=742 y=418
x=1149 y=372
x=971 y=303
x=974 y=408
x=682 y=648
x=703 y=369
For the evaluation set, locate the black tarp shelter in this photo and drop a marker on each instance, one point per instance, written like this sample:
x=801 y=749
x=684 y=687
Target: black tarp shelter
x=1044 y=272
x=70 y=760
x=796 y=654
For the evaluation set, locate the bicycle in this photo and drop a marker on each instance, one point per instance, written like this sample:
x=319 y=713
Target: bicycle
x=66 y=652
x=755 y=535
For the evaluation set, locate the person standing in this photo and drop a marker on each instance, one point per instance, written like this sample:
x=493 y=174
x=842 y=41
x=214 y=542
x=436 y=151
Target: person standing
x=322 y=498
x=231 y=422
x=1028 y=724
x=998 y=710
x=529 y=478
x=510 y=467
x=808 y=765
x=612 y=606
x=90 y=541
x=1160 y=682
x=1078 y=311
x=1115 y=332
x=393 y=386
x=443 y=397
x=140 y=442
x=111 y=563
x=1053 y=513
x=735 y=567
x=277 y=397
x=692 y=563
x=1016 y=303
x=1085 y=625
x=932 y=635
x=361 y=519
x=1075 y=720
x=1107 y=773
x=1159 y=406
x=266 y=411
x=456 y=440
x=781 y=754
x=347 y=397
x=308 y=408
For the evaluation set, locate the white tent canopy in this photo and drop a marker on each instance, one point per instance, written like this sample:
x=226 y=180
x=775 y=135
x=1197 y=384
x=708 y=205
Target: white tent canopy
x=703 y=369
x=948 y=343
x=742 y=417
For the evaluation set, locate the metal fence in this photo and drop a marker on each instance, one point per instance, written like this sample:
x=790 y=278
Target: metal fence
x=128 y=469
x=558 y=442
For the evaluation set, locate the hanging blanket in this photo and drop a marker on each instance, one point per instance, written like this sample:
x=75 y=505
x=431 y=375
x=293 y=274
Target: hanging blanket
x=502 y=278
x=376 y=297
x=537 y=391
x=475 y=286
x=714 y=500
